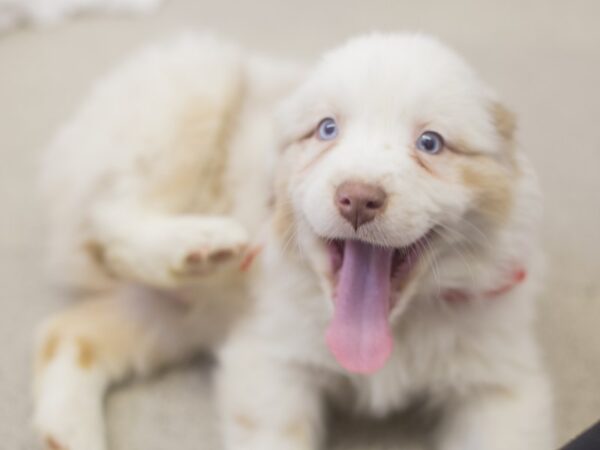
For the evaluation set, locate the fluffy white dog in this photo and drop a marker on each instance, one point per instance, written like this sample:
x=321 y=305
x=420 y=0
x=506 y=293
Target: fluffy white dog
x=389 y=213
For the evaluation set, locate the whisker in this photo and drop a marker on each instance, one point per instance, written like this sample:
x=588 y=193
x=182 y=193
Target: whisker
x=464 y=220
x=457 y=248
x=432 y=261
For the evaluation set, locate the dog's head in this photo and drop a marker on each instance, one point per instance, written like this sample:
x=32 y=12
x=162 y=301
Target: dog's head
x=390 y=143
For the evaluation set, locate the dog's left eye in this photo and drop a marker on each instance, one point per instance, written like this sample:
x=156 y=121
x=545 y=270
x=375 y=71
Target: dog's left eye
x=327 y=129
x=430 y=142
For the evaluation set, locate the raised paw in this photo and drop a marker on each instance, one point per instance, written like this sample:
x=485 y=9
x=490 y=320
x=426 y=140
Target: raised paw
x=206 y=246
x=205 y=260
x=168 y=251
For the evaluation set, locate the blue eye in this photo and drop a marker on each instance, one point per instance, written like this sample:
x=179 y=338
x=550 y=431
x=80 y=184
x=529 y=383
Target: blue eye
x=430 y=142
x=327 y=129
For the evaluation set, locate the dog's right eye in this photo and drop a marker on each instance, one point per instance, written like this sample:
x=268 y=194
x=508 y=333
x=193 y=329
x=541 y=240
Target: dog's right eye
x=430 y=142
x=327 y=129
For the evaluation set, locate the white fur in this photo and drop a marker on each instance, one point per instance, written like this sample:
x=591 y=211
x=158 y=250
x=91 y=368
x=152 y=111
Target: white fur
x=70 y=411
x=129 y=176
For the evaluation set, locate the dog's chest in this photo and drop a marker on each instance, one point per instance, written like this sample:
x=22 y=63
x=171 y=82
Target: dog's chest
x=392 y=389
x=425 y=364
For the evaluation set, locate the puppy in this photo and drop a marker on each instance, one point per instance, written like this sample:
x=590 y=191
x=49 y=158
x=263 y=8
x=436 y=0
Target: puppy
x=394 y=221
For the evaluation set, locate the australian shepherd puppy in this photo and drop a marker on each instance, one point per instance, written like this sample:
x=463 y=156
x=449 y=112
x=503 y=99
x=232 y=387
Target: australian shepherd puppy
x=359 y=232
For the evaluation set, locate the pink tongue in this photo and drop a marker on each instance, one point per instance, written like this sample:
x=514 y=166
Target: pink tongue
x=359 y=335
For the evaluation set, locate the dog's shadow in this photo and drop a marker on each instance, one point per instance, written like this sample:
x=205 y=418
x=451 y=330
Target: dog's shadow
x=177 y=404
x=402 y=431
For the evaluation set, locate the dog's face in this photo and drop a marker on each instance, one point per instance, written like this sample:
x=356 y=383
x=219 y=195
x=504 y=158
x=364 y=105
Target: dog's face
x=391 y=143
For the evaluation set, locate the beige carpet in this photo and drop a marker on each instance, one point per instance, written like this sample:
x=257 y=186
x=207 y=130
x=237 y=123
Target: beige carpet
x=545 y=61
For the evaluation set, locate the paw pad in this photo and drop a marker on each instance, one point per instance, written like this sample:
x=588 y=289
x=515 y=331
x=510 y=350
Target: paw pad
x=194 y=258
x=221 y=255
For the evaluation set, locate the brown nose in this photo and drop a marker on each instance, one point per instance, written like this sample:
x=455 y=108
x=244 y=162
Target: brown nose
x=358 y=202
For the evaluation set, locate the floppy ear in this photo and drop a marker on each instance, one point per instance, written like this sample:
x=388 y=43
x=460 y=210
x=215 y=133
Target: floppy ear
x=505 y=121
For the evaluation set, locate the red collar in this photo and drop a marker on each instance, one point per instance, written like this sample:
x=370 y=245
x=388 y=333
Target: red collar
x=516 y=277
x=249 y=257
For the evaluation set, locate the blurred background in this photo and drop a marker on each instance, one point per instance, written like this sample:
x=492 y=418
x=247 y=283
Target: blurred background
x=543 y=57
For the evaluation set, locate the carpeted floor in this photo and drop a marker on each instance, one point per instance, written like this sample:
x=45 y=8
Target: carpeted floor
x=543 y=57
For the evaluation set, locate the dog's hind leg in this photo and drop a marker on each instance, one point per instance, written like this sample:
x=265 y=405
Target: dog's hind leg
x=81 y=351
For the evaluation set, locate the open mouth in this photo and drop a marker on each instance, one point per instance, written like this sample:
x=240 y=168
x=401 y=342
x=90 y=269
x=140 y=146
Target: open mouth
x=365 y=278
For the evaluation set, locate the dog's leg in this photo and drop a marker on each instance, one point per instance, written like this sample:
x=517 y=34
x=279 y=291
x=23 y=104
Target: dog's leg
x=517 y=418
x=265 y=404
x=144 y=188
x=165 y=250
x=81 y=351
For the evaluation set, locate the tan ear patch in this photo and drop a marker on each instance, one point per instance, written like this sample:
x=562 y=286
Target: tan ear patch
x=504 y=121
x=492 y=186
x=86 y=353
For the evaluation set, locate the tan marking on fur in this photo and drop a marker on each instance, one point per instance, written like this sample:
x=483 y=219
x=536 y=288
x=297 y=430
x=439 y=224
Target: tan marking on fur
x=296 y=430
x=86 y=353
x=195 y=166
x=492 y=184
x=117 y=340
x=461 y=147
x=48 y=351
x=96 y=252
x=489 y=176
x=245 y=421
x=52 y=444
x=191 y=172
x=506 y=155
x=506 y=125
x=504 y=121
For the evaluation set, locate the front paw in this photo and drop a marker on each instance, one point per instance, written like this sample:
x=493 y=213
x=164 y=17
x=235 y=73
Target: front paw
x=172 y=251
x=65 y=424
x=206 y=247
